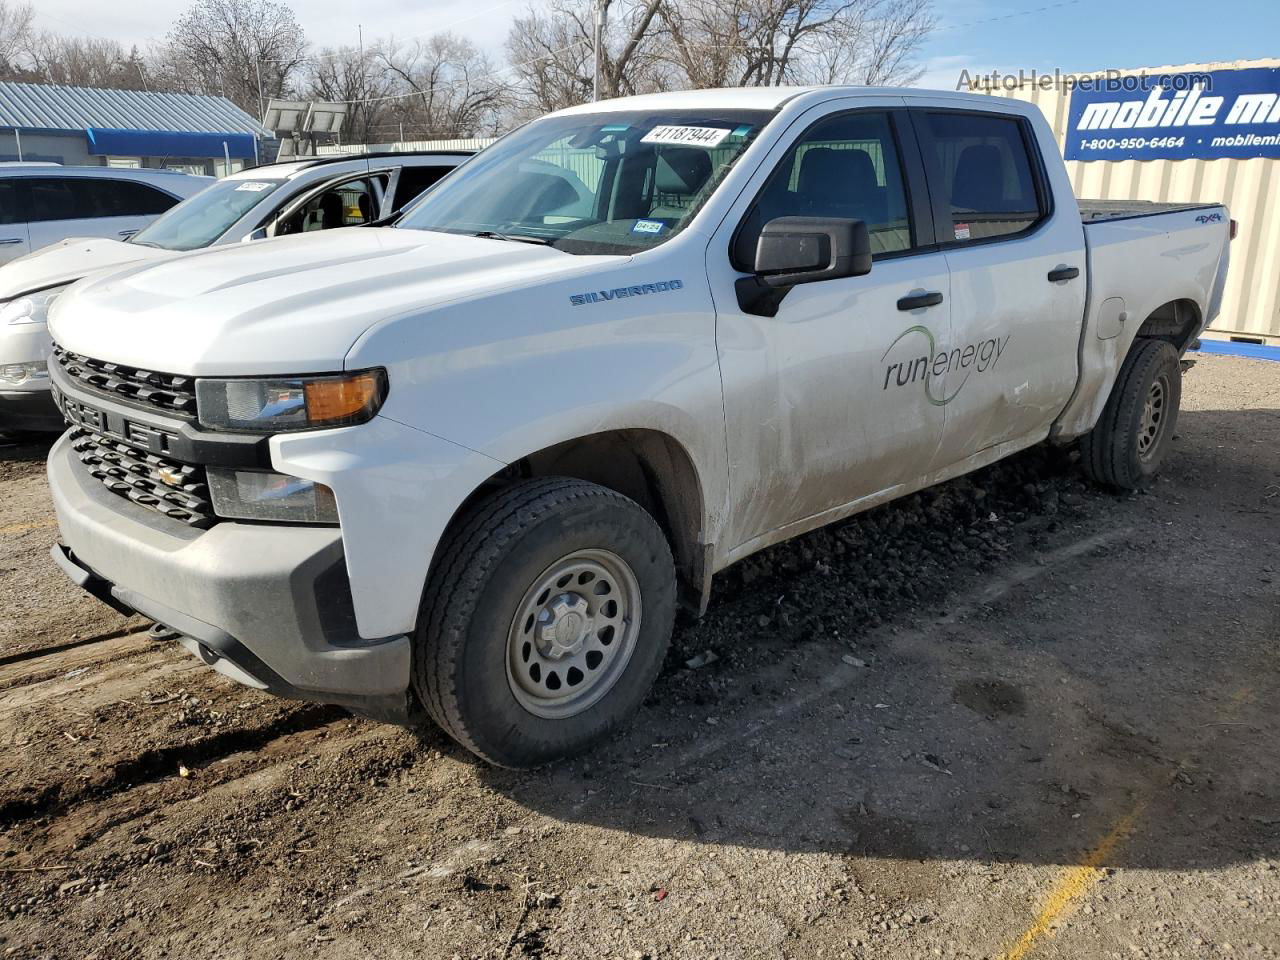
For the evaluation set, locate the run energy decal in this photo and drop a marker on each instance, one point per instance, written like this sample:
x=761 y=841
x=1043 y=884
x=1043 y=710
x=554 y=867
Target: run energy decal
x=925 y=368
x=1207 y=114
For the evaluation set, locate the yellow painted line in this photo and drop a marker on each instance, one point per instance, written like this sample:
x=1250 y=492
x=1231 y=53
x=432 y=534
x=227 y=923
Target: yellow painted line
x=24 y=527
x=1073 y=884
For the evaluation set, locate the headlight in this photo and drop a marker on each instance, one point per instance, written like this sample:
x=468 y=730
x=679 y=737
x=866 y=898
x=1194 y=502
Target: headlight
x=33 y=308
x=290 y=403
x=22 y=372
x=264 y=495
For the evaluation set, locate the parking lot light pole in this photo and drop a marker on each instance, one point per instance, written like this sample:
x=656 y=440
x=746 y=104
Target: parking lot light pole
x=601 y=7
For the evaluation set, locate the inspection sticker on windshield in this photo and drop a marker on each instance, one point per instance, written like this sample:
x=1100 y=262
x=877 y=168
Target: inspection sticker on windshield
x=693 y=136
x=648 y=226
x=254 y=187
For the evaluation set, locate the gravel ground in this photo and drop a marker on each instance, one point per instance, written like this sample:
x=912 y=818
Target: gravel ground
x=1008 y=717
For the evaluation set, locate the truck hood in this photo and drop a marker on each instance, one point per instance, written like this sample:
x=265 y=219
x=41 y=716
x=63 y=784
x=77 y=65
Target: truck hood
x=290 y=305
x=67 y=261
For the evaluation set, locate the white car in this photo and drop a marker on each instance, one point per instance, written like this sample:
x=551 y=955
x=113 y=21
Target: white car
x=42 y=203
x=472 y=462
x=298 y=197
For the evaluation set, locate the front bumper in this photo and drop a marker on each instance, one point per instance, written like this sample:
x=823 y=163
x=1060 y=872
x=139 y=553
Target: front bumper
x=29 y=405
x=269 y=605
x=30 y=410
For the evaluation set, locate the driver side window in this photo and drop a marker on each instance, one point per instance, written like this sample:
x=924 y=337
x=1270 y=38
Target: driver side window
x=347 y=204
x=845 y=166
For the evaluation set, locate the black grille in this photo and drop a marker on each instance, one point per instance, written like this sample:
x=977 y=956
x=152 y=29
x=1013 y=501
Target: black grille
x=177 y=490
x=145 y=388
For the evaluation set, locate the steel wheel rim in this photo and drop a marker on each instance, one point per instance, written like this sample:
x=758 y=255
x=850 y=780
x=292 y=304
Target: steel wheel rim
x=573 y=633
x=1153 y=417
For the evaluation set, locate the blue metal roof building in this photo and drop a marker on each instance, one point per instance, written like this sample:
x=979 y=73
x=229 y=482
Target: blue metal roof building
x=85 y=125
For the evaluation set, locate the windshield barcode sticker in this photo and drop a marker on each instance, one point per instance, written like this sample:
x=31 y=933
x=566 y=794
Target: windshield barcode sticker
x=254 y=187
x=690 y=136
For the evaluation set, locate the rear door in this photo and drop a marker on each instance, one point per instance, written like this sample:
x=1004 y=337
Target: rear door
x=64 y=207
x=820 y=410
x=14 y=235
x=1011 y=363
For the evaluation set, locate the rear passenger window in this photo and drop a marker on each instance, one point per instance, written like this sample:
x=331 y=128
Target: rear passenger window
x=127 y=198
x=413 y=180
x=845 y=166
x=985 y=170
x=85 y=198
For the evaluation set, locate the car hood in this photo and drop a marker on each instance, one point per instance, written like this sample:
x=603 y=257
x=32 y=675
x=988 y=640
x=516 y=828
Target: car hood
x=290 y=305
x=67 y=261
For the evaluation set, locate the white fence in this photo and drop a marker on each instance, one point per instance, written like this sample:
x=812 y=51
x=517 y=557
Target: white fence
x=405 y=146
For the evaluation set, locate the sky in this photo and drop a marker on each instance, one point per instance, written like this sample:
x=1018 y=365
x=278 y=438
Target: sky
x=1086 y=35
x=973 y=35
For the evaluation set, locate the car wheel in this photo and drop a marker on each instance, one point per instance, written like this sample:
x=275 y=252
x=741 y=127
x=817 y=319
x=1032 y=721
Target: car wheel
x=1124 y=450
x=545 y=620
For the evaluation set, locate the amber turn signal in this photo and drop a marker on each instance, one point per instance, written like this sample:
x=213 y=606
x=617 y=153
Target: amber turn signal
x=346 y=400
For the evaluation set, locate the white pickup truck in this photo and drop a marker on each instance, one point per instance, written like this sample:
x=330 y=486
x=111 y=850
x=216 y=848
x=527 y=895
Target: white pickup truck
x=472 y=462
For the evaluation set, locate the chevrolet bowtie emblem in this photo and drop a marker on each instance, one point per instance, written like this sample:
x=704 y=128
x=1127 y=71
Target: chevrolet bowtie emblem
x=170 y=476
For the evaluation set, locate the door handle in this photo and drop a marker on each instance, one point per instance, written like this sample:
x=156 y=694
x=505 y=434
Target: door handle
x=9 y=241
x=1063 y=273
x=918 y=300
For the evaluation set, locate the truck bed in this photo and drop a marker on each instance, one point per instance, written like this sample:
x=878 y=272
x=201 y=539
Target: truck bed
x=1095 y=211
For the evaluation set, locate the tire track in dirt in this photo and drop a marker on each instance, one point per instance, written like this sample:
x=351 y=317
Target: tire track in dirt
x=32 y=667
x=156 y=763
x=38 y=653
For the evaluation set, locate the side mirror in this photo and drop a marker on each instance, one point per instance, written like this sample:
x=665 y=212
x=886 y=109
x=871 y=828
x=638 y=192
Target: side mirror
x=795 y=250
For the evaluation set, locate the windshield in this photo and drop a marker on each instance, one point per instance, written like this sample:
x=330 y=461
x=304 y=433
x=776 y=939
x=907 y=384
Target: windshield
x=613 y=183
x=200 y=220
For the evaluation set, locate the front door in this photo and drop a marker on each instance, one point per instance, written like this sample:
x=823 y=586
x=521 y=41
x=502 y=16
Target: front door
x=14 y=237
x=828 y=404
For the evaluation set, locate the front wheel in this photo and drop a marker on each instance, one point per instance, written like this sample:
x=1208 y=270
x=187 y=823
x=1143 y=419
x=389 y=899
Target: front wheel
x=1126 y=447
x=545 y=621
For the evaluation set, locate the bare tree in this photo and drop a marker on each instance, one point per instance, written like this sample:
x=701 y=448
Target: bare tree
x=220 y=46
x=660 y=44
x=551 y=52
x=877 y=46
x=357 y=78
x=768 y=42
x=15 y=32
x=450 y=88
x=83 y=62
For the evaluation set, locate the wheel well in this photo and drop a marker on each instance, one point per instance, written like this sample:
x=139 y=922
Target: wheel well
x=1175 y=321
x=652 y=469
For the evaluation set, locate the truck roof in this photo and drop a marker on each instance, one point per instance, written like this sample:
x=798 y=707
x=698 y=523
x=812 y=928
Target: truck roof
x=760 y=98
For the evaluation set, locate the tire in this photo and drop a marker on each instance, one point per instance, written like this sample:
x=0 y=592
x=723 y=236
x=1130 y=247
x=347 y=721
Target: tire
x=1125 y=448
x=522 y=590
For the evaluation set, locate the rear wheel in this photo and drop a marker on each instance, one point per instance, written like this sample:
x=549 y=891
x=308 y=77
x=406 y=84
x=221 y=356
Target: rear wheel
x=1126 y=447
x=545 y=621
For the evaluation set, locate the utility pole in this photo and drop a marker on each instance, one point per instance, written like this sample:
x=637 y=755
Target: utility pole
x=602 y=7
x=364 y=88
x=262 y=104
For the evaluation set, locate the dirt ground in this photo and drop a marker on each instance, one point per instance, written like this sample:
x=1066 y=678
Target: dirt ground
x=1012 y=717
